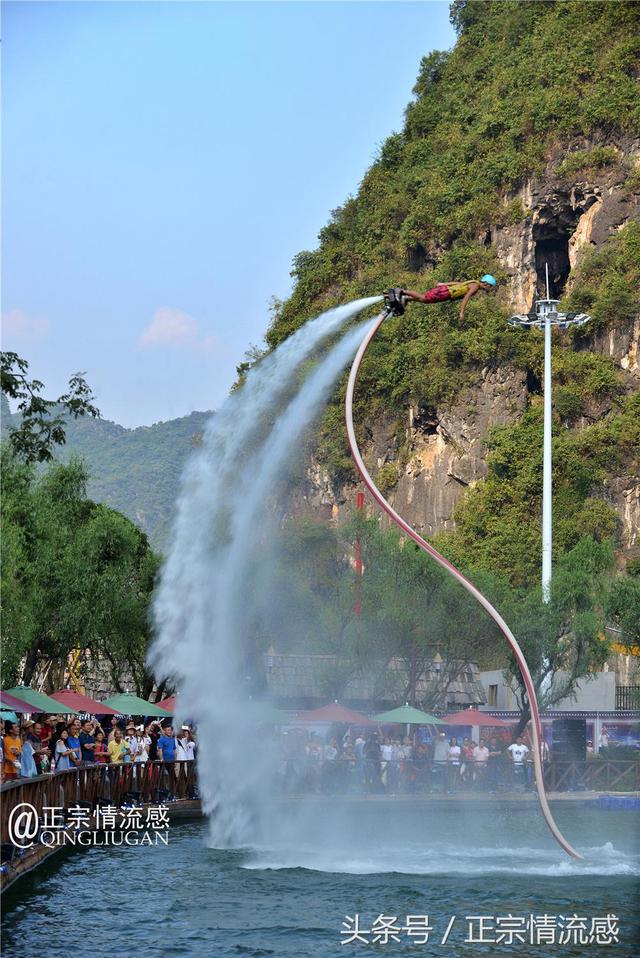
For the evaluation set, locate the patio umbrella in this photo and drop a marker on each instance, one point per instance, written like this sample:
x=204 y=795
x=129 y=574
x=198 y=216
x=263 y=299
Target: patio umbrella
x=407 y=715
x=81 y=703
x=38 y=700
x=169 y=703
x=335 y=713
x=14 y=704
x=474 y=717
x=129 y=704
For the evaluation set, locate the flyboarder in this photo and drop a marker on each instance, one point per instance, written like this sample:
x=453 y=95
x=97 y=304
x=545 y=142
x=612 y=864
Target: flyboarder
x=442 y=293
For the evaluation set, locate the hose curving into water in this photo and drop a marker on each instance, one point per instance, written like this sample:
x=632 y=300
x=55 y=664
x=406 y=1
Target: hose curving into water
x=451 y=569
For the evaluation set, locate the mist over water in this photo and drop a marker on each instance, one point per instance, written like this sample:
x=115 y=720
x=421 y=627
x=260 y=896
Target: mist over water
x=207 y=602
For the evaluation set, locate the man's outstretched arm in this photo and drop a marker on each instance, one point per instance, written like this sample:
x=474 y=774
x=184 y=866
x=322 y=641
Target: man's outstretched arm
x=473 y=289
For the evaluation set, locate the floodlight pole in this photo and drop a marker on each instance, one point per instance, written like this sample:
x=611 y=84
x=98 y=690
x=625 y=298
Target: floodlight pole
x=544 y=316
x=547 y=460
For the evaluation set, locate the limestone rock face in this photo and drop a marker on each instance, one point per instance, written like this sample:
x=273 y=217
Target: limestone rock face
x=561 y=220
x=449 y=455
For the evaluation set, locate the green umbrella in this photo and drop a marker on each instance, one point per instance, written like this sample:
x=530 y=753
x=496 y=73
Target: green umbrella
x=40 y=701
x=8 y=716
x=407 y=715
x=129 y=704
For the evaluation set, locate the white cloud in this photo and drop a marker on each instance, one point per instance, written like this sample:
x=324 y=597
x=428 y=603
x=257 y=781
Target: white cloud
x=173 y=327
x=18 y=325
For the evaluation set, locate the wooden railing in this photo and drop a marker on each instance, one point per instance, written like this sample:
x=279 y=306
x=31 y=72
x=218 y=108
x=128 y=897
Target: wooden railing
x=158 y=782
x=94 y=785
x=594 y=775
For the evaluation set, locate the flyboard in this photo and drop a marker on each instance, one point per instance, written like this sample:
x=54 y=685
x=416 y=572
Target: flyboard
x=395 y=306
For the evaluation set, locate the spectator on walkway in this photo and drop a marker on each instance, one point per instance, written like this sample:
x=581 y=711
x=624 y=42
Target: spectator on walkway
x=63 y=753
x=41 y=751
x=466 y=757
x=118 y=748
x=45 y=728
x=73 y=741
x=87 y=742
x=100 y=753
x=185 y=748
x=167 y=745
x=518 y=751
x=130 y=738
x=140 y=745
x=440 y=769
x=453 y=769
x=114 y=723
x=28 y=767
x=480 y=763
x=329 y=771
x=152 y=732
x=494 y=768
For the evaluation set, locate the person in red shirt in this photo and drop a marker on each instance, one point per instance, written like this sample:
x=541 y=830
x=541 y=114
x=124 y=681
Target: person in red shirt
x=100 y=754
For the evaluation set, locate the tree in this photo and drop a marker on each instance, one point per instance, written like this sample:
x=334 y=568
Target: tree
x=623 y=610
x=410 y=610
x=76 y=576
x=562 y=640
x=41 y=424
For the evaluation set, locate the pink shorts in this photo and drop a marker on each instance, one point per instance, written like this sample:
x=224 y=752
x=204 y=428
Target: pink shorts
x=438 y=294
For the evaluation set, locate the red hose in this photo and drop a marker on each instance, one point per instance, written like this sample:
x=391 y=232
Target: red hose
x=451 y=569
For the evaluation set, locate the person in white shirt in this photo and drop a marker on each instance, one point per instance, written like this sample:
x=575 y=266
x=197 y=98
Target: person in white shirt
x=185 y=748
x=518 y=752
x=480 y=759
x=453 y=759
x=140 y=745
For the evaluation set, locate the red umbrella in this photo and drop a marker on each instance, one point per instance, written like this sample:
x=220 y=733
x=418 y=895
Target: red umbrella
x=474 y=717
x=335 y=713
x=15 y=704
x=169 y=704
x=81 y=703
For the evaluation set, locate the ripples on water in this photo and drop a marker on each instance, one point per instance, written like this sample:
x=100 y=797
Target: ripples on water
x=289 y=895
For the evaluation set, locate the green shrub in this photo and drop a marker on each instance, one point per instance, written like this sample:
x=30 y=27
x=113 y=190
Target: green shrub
x=387 y=478
x=579 y=161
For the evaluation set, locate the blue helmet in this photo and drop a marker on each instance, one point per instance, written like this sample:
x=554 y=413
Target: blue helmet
x=488 y=278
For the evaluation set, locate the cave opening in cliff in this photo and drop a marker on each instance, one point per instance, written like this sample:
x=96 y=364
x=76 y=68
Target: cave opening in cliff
x=416 y=258
x=553 y=249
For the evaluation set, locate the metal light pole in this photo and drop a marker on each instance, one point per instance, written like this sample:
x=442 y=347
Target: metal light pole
x=544 y=316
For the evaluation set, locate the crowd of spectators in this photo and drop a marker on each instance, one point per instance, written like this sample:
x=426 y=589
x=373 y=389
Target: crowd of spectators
x=49 y=743
x=368 y=762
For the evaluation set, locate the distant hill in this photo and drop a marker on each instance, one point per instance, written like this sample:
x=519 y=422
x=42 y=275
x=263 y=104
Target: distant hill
x=135 y=471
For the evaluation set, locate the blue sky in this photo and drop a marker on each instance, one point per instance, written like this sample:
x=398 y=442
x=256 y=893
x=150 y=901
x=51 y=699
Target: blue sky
x=162 y=164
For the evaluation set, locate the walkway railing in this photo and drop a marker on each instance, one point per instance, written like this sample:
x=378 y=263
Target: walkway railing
x=156 y=782
x=301 y=776
x=95 y=785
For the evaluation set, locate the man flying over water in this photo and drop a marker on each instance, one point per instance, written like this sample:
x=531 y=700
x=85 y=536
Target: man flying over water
x=444 y=292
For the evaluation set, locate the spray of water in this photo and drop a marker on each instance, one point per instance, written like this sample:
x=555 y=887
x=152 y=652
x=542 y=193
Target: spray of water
x=204 y=598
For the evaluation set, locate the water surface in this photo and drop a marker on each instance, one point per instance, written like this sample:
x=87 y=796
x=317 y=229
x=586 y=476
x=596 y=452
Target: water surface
x=289 y=894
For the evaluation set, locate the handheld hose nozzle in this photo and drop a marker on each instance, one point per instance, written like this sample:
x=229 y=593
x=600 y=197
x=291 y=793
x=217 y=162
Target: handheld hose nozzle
x=395 y=301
